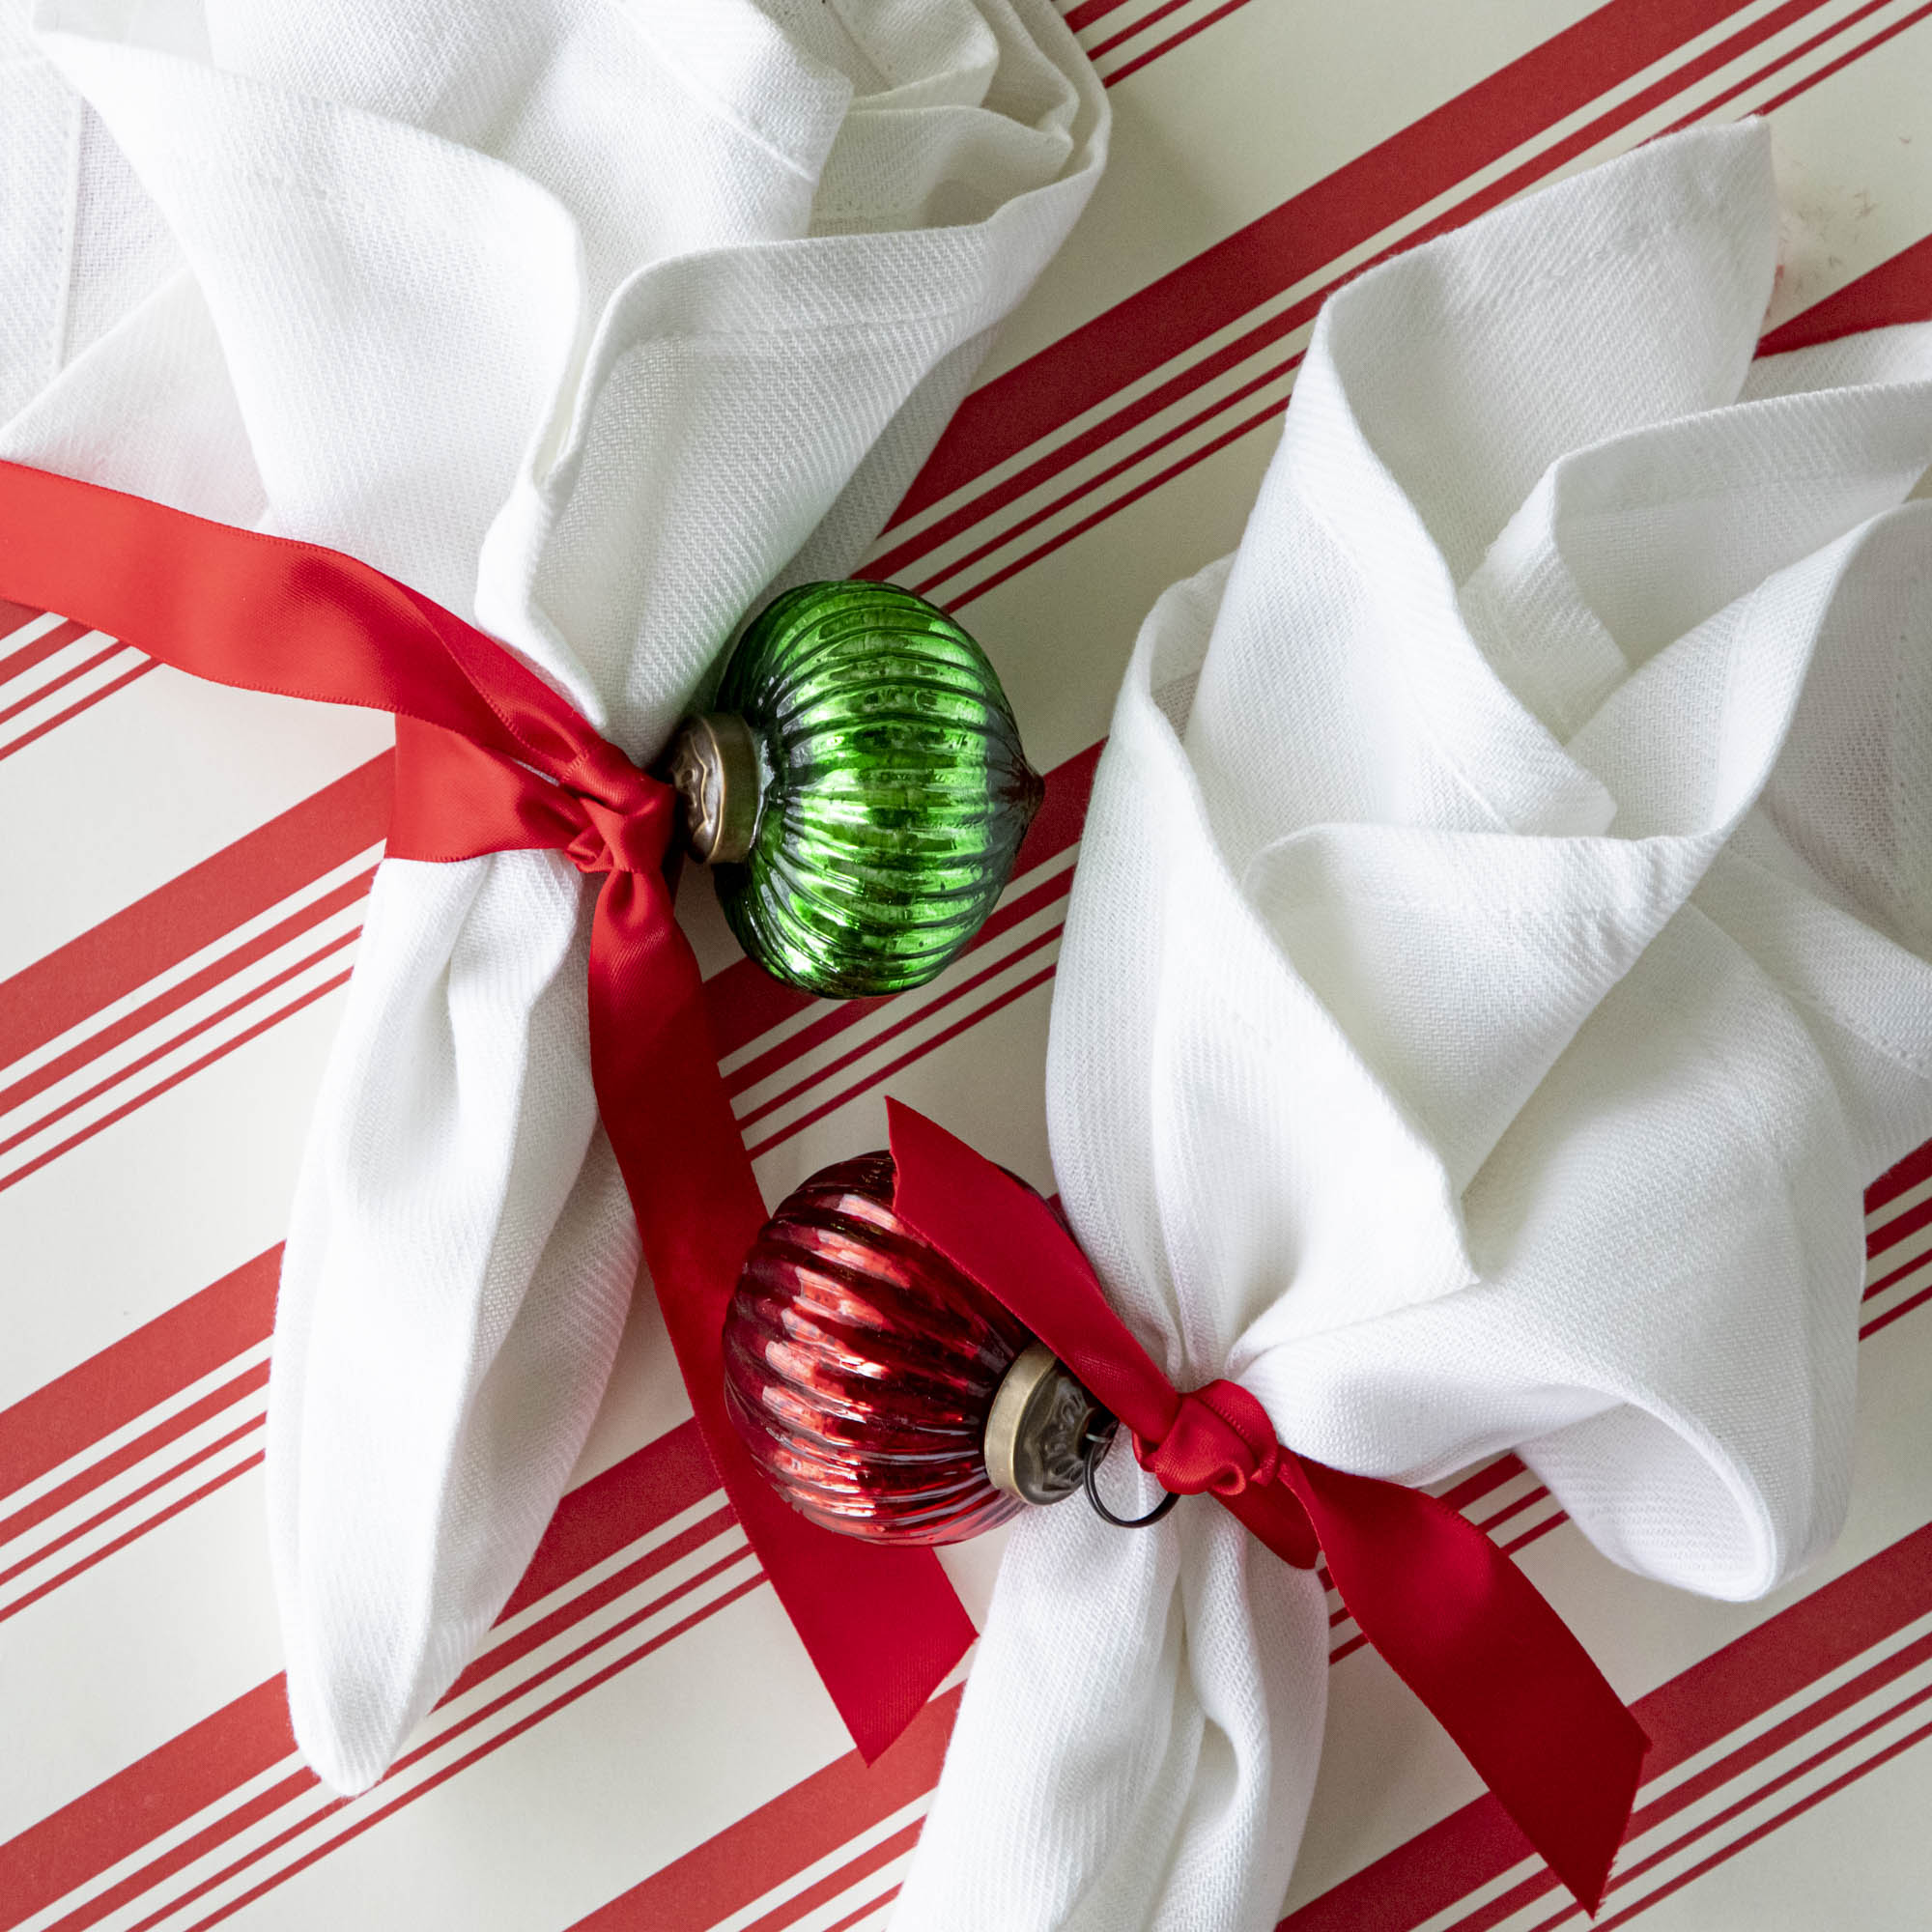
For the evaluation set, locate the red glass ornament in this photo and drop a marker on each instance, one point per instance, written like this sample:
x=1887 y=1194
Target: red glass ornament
x=861 y=1367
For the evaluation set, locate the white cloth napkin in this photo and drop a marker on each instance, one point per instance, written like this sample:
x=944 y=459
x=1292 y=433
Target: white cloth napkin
x=1497 y=961
x=594 y=320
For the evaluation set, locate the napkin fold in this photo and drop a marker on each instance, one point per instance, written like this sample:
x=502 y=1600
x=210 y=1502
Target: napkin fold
x=596 y=324
x=1497 y=959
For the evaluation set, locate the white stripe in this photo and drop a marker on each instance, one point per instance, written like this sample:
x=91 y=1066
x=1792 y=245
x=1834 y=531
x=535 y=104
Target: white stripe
x=113 y=1495
x=1144 y=36
x=57 y=703
x=945 y=556
x=1700 y=1762
x=810 y=1875
x=188 y=1053
x=23 y=634
x=215 y=950
x=316 y=1804
x=56 y=664
x=1693 y=1833
x=185 y=1397
x=1879 y=1217
x=1901 y=1291
x=937 y=1009
x=249 y=985
x=1909 y=1249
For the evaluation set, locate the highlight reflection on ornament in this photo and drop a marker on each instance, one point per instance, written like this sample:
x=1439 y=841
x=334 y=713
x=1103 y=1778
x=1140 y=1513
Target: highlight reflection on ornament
x=859 y=790
x=882 y=1393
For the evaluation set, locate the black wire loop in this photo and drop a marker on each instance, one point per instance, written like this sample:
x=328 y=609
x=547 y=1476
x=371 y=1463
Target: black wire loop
x=1090 y=1453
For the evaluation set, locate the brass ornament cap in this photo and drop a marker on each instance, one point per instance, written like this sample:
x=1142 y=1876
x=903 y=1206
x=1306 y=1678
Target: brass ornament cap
x=713 y=763
x=1041 y=1428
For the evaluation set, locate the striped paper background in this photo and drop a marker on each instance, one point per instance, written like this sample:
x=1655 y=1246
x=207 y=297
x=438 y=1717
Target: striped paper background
x=641 y=1747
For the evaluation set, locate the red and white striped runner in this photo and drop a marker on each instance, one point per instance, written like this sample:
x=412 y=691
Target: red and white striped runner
x=641 y=1744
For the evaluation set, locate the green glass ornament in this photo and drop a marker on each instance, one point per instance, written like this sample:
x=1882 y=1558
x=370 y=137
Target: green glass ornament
x=859 y=791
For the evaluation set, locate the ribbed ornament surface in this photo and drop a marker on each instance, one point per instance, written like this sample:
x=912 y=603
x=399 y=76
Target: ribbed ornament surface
x=859 y=1367
x=897 y=792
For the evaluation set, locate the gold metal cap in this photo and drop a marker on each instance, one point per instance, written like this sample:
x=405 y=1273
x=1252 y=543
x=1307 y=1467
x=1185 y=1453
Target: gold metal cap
x=1039 y=1429
x=713 y=761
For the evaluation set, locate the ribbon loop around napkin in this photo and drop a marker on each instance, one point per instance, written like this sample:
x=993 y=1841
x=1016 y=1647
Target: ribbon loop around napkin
x=625 y=839
x=1220 y=1440
x=597 y=325
x=1459 y=1624
x=478 y=733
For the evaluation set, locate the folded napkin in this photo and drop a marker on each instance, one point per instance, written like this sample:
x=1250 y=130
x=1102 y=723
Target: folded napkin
x=1497 y=959
x=595 y=322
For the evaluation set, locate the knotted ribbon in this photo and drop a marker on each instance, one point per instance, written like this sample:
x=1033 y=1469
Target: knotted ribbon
x=488 y=758
x=1456 y=1620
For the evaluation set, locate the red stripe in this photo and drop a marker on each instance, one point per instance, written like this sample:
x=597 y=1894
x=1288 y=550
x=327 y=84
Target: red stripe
x=1737 y=1763
x=819 y=1075
x=1079 y=18
x=1902 y=1226
x=613 y=1509
x=826 y=1889
x=124 y=1812
x=1263 y=419
x=1770 y=1825
x=72 y=675
x=1780 y=1658
x=864 y=1910
x=27 y=656
x=212 y=1758
x=1492 y=1476
x=1788 y=59
x=1844 y=60
x=1917 y=1166
x=1891 y=1315
x=1167 y=46
x=1119 y=468
x=148 y=1443
x=838 y=1017
x=1130 y=341
x=766 y=1847
x=1898 y=1274
x=68 y=1538
x=13 y=617
x=1897 y=291
x=1140 y=26
x=139 y=1529
x=904 y=1061
x=193 y=910
x=173 y=1080
x=192 y=987
x=73 y=710
x=129 y=1376
x=122 y=1075
x=449 y=1734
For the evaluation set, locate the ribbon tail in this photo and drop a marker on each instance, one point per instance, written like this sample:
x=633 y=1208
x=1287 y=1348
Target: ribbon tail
x=883 y=1626
x=1501 y=1672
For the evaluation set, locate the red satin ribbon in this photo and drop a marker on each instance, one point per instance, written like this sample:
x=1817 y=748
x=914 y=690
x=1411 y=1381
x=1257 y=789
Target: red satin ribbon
x=488 y=758
x=1460 y=1623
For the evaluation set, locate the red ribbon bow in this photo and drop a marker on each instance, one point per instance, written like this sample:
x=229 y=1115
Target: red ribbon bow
x=488 y=758
x=1460 y=1623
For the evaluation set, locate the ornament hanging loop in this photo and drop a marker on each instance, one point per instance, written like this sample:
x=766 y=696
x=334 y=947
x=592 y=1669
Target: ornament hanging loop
x=1092 y=1451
